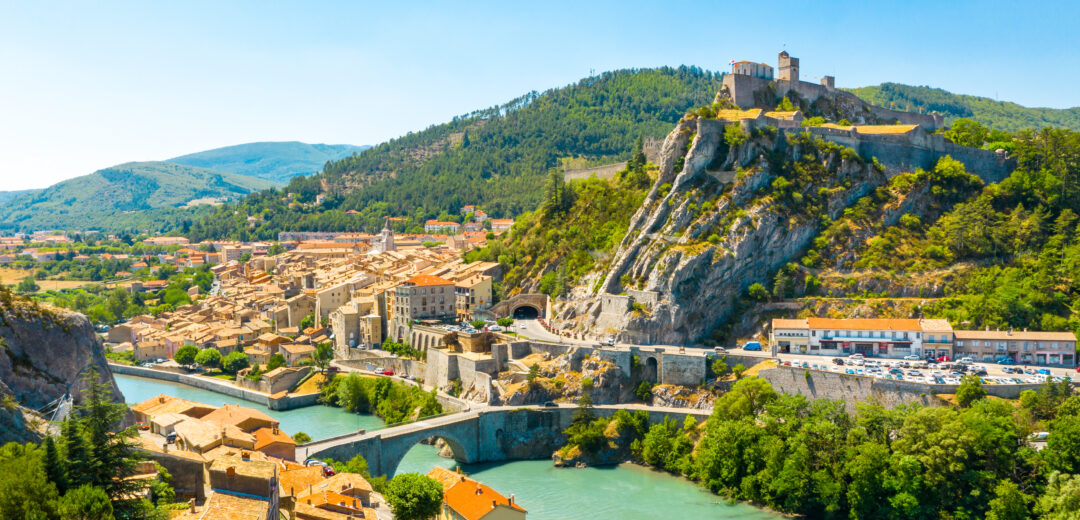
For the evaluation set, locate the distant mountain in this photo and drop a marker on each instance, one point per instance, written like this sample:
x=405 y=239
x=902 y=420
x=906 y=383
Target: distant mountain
x=272 y=161
x=1002 y=115
x=6 y=196
x=138 y=195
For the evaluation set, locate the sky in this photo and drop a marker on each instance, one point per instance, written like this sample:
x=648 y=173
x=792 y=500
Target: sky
x=87 y=85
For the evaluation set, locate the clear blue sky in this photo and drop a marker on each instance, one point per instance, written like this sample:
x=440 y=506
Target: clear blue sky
x=86 y=85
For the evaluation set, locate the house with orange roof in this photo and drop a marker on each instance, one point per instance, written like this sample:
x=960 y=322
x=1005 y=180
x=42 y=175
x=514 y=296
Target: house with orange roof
x=879 y=337
x=247 y=419
x=422 y=297
x=272 y=441
x=467 y=499
x=498 y=225
x=432 y=226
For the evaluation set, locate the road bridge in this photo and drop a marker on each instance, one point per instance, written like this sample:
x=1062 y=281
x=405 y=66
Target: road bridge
x=484 y=435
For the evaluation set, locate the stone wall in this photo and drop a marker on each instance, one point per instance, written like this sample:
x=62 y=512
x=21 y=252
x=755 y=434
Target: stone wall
x=852 y=389
x=215 y=385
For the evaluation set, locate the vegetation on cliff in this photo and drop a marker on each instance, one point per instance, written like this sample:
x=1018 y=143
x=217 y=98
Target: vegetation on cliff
x=575 y=231
x=814 y=458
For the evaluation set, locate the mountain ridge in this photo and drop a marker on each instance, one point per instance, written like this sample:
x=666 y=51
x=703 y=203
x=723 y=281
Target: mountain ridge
x=276 y=161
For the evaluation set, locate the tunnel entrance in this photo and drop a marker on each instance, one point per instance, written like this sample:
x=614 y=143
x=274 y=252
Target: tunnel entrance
x=526 y=312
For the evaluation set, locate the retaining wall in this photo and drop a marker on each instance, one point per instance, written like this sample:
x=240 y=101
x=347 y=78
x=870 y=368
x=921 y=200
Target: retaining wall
x=217 y=386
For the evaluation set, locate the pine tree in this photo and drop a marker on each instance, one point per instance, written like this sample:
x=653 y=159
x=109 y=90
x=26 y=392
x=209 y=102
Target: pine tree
x=76 y=454
x=54 y=466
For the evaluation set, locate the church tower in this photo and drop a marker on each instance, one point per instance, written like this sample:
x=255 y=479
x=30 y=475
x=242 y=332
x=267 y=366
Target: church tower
x=789 y=68
x=385 y=241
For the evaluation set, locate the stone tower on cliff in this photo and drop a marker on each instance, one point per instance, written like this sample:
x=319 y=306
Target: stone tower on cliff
x=789 y=68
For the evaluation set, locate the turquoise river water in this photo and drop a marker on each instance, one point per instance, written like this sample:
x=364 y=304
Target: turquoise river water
x=624 y=492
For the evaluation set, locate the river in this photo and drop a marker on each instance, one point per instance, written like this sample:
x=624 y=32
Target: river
x=625 y=492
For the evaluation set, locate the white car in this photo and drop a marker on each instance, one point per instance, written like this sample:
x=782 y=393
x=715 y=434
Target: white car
x=856 y=356
x=912 y=357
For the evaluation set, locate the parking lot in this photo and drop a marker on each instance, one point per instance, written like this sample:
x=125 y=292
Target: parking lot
x=918 y=370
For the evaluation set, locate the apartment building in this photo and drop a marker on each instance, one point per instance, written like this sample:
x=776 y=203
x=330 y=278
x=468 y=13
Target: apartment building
x=894 y=338
x=1023 y=347
x=422 y=297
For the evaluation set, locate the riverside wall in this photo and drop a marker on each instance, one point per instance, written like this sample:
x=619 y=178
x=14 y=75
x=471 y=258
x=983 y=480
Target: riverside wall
x=287 y=402
x=853 y=388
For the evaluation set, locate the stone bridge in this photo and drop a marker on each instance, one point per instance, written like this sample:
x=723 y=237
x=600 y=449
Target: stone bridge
x=537 y=302
x=485 y=435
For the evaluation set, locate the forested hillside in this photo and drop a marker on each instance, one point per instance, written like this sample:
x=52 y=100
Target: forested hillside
x=143 y=195
x=1000 y=115
x=272 y=161
x=496 y=158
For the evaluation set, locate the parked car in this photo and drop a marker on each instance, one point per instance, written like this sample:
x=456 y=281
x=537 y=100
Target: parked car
x=966 y=359
x=752 y=346
x=388 y=372
x=1006 y=360
x=838 y=361
x=912 y=357
x=1043 y=371
x=550 y=404
x=720 y=350
x=857 y=356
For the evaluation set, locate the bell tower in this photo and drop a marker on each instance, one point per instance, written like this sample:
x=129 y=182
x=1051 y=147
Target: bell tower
x=789 y=68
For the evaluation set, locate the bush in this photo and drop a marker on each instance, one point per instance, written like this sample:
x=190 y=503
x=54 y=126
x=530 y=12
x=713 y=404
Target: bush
x=505 y=322
x=738 y=370
x=277 y=360
x=644 y=391
x=758 y=292
x=302 y=438
x=413 y=496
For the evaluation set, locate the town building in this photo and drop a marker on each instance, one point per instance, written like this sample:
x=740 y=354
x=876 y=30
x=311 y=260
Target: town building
x=467 y=499
x=893 y=338
x=1020 y=346
x=423 y=297
x=433 y=226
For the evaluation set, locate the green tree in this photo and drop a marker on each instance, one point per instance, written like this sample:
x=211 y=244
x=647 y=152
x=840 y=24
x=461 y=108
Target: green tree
x=209 y=357
x=55 y=467
x=27 y=285
x=301 y=438
x=323 y=355
x=738 y=370
x=643 y=391
x=1009 y=503
x=413 y=496
x=969 y=391
x=1062 y=450
x=720 y=368
x=307 y=322
x=235 y=362
x=534 y=372
x=277 y=360
x=186 y=354
x=505 y=322
x=1061 y=499
x=758 y=292
x=86 y=503
x=25 y=490
x=478 y=324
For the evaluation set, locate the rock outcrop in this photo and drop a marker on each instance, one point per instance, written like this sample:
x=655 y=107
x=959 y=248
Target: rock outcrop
x=713 y=224
x=46 y=352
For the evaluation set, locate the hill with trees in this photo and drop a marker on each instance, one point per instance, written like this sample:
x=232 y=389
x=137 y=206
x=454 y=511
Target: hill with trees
x=139 y=195
x=999 y=115
x=496 y=158
x=272 y=161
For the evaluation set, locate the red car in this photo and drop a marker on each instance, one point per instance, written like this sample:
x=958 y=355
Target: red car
x=943 y=359
x=388 y=372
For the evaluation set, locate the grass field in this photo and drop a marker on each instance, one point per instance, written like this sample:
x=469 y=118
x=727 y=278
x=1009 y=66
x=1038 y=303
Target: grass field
x=10 y=276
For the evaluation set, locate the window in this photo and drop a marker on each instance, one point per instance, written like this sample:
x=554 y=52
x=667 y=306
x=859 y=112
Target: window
x=960 y=343
x=813 y=333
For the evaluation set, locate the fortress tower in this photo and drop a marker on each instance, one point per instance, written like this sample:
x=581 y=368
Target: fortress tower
x=789 y=68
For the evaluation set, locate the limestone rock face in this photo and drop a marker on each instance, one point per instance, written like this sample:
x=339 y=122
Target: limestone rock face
x=46 y=352
x=707 y=230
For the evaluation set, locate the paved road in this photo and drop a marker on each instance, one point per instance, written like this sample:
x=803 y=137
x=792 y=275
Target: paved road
x=534 y=330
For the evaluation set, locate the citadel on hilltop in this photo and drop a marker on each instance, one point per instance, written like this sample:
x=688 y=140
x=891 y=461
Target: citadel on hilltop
x=752 y=85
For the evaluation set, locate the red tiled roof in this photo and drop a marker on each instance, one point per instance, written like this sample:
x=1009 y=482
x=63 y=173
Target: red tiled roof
x=428 y=280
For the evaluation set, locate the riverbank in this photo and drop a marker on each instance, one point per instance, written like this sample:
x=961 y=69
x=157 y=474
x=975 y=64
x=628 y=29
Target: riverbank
x=275 y=402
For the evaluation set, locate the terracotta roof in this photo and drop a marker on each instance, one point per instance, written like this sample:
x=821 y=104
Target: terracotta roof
x=297 y=479
x=428 y=280
x=884 y=129
x=224 y=506
x=473 y=500
x=235 y=414
x=1016 y=335
x=267 y=436
x=864 y=324
x=735 y=114
x=164 y=404
x=782 y=323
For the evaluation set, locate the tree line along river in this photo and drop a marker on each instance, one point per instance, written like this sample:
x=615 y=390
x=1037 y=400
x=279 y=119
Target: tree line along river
x=625 y=491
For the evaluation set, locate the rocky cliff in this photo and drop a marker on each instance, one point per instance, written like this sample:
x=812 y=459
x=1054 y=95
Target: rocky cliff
x=728 y=207
x=45 y=353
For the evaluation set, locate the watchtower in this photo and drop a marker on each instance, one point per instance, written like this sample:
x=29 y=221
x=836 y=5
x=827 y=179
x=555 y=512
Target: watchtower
x=789 y=68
